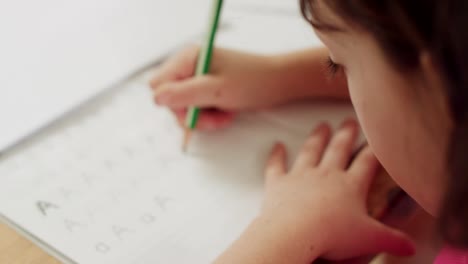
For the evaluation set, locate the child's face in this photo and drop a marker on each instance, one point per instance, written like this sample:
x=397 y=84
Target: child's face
x=405 y=123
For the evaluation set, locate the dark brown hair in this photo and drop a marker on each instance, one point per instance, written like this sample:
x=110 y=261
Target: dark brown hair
x=404 y=28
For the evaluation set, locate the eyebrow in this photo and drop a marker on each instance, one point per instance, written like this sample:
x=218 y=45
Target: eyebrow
x=326 y=27
x=314 y=19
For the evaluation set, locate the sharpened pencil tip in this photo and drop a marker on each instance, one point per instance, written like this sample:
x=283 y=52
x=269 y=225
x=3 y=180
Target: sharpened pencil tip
x=187 y=135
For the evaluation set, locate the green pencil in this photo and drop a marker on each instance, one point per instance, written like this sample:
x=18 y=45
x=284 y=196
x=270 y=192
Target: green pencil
x=203 y=67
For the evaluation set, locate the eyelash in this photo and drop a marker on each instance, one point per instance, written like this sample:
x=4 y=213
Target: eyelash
x=332 y=67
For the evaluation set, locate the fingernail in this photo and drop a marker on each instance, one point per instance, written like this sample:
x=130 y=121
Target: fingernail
x=349 y=123
x=320 y=128
x=277 y=146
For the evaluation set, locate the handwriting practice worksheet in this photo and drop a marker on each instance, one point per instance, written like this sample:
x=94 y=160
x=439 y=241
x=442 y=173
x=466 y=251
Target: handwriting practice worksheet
x=112 y=185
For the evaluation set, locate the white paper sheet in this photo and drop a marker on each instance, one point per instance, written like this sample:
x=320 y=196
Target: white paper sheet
x=55 y=54
x=113 y=186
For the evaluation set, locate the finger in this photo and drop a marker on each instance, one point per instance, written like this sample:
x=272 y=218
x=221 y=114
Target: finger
x=276 y=164
x=312 y=150
x=364 y=168
x=380 y=238
x=356 y=153
x=203 y=91
x=159 y=76
x=208 y=120
x=170 y=72
x=179 y=67
x=339 y=151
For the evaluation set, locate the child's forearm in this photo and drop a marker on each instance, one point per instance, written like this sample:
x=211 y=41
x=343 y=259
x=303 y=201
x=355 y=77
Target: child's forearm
x=264 y=242
x=304 y=74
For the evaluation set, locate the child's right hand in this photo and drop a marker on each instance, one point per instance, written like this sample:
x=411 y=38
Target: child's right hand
x=237 y=81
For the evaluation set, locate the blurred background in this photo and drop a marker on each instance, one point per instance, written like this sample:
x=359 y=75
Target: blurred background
x=55 y=53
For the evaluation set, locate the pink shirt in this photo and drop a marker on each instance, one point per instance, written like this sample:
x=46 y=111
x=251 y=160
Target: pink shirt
x=452 y=256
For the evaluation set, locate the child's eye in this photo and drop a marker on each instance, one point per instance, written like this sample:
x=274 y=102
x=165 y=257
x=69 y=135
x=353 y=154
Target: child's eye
x=332 y=67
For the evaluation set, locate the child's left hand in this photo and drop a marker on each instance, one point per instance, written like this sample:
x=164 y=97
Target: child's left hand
x=322 y=201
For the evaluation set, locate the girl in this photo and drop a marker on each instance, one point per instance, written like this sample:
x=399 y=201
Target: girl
x=404 y=64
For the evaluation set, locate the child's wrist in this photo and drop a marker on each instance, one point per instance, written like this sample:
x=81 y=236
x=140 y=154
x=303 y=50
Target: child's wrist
x=291 y=78
x=279 y=78
x=290 y=232
x=302 y=75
